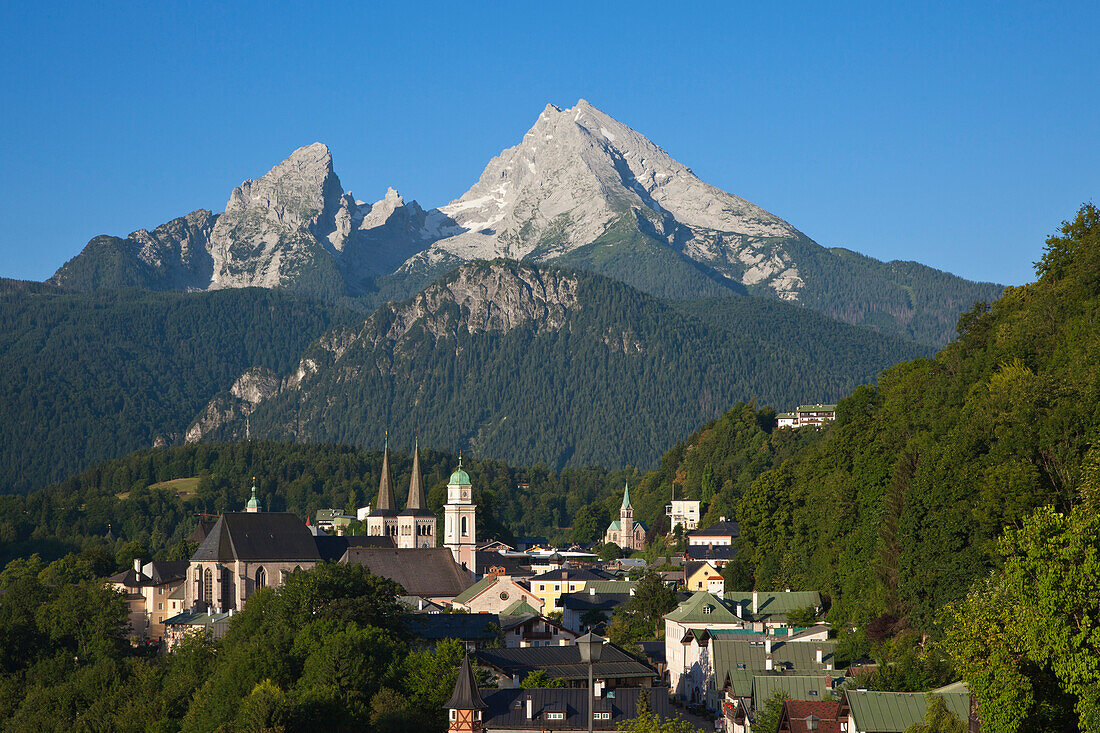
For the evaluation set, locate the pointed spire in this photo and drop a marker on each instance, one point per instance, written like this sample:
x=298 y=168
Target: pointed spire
x=626 y=497
x=386 y=501
x=465 y=696
x=416 y=483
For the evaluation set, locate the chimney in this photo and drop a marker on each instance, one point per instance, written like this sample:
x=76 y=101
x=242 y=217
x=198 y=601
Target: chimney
x=768 y=663
x=768 y=645
x=829 y=681
x=591 y=590
x=820 y=655
x=137 y=565
x=530 y=708
x=755 y=602
x=737 y=609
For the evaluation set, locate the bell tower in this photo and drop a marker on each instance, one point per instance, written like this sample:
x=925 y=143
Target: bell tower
x=460 y=527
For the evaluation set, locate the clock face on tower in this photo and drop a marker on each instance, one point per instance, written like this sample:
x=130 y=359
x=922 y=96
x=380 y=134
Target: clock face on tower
x=465 y=494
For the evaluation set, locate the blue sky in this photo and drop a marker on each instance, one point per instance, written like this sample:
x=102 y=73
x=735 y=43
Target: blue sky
x=957 y=135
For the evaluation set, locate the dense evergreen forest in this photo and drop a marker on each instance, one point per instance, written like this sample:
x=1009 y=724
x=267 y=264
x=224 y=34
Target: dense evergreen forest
x=93 y=376
x=623 y=376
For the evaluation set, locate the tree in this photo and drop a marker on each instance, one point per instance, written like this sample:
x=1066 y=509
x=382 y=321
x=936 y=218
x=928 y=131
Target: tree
x=539 y=678
x=610 y=551
x=767 y=719
x=937 y=718
x=648 y=722
x=587 y=525
x=802 y=616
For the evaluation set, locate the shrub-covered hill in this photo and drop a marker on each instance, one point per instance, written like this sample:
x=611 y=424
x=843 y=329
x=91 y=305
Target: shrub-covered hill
x=895 y=510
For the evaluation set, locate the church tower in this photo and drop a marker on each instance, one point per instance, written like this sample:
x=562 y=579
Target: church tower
x=253 y=505
x=382 y=521
x=465 y=708
x=626 y=521
x=415 y=523
x=460 y=532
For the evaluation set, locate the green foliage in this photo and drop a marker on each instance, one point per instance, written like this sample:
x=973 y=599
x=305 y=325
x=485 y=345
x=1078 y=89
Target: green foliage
x=896 y=508
x=767 y=718
x=641 y=617
x=937 y=719
x=802 y=616
x=539 y=678
x=648 y=722
x=87 y=377
x=610 y=551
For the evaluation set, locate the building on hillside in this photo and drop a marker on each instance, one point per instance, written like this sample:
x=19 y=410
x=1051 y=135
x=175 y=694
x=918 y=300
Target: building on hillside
x=768 y=610
x=415 y=525
x=721 y=534
x=186 y=624
x=430 y=572
x=625 y=532
x=806 y=415
x=494 y=593
x=704 y=576
x=151 y=591
x=332 y=520
x=683 y=512
x=460 y=519
x=737 y=659
x=717 y=555
x=550 y=586
x=687 y=629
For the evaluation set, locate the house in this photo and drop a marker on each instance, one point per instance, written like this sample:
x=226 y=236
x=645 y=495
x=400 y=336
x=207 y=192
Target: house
x=716 y=555
x=768 y=610
x=553 y=709
x=704 y=576
x=532 y=629
x=806 y=716
x=737 y=659
x=520 y=629
x=723 y=533
x=333 y=520
x=495 y=593
x=624 y=531
x=497 y=562
x=816 y=415
x=615 y=669
x=683 y=513
x=866 y=711
x=153 y=593
x=583 y=611
x=687 y=630
x=786 y=420
x=429 y=573
x=550 y=586
x=188 y=623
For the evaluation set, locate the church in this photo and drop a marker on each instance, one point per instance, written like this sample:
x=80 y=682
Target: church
x=415 y=525
x=625 y=532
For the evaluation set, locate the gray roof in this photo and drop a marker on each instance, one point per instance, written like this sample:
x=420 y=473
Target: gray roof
x=564 y=662
x=333 y=547
x=508 y=708
x=710 y=552
x=514 y=566
x=567 y=574
x=465 y=696
x=161 y=573
x=417 y=504
x=583 y=601
x=462 y=626
x=258 y=536
x=721 y=529
x=430 y=571
x=385 y=506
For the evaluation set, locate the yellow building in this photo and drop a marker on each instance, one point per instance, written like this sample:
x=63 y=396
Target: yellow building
x=550 y=586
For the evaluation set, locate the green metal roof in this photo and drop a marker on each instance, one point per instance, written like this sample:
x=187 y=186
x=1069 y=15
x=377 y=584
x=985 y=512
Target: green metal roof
x=470 y=593
x=459 y=478
x=610 y=586
x=253 y=503
x=775 y=606
x=626 y=497
x=893 y=712
x=740 y=654
x=694 y=610
x=817 y=408
x=797 y=687
x=520 y=608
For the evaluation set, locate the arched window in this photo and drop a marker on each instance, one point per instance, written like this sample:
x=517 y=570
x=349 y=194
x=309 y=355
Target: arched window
x=261 y=577
x=208 y=586
x=465 y=528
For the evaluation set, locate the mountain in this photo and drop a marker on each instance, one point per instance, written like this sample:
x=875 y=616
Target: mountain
x=580 y=190
x=89 y=376
x=529 y=363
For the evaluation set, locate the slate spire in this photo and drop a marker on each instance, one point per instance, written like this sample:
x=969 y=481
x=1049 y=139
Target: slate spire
x=416 y=483
x=386 y=501
x=466 y=696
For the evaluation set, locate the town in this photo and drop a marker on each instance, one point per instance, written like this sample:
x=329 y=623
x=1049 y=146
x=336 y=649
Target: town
x=528 y=612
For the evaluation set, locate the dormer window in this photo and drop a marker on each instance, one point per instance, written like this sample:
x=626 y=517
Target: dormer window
x=555 y=716
x=603 y=716
x=707 y=609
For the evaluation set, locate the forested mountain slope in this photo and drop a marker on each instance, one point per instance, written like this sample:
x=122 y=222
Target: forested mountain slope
x=85 y=377
x=529 y=364
x=896 y=509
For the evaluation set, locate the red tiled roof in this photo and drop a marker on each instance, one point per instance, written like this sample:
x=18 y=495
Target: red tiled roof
x=827 y=712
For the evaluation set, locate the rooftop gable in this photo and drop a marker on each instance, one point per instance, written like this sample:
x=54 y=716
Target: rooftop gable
x=893 y=712
x=258 y=536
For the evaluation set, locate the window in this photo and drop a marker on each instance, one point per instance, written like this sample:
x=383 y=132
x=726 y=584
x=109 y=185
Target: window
x=603 y=716
x=454 y=715
x=160 y=606
x=542 y=586
x=707 y=609
x=261 y=577
x=465 y=527
x=555 y=716
x=208 y=586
